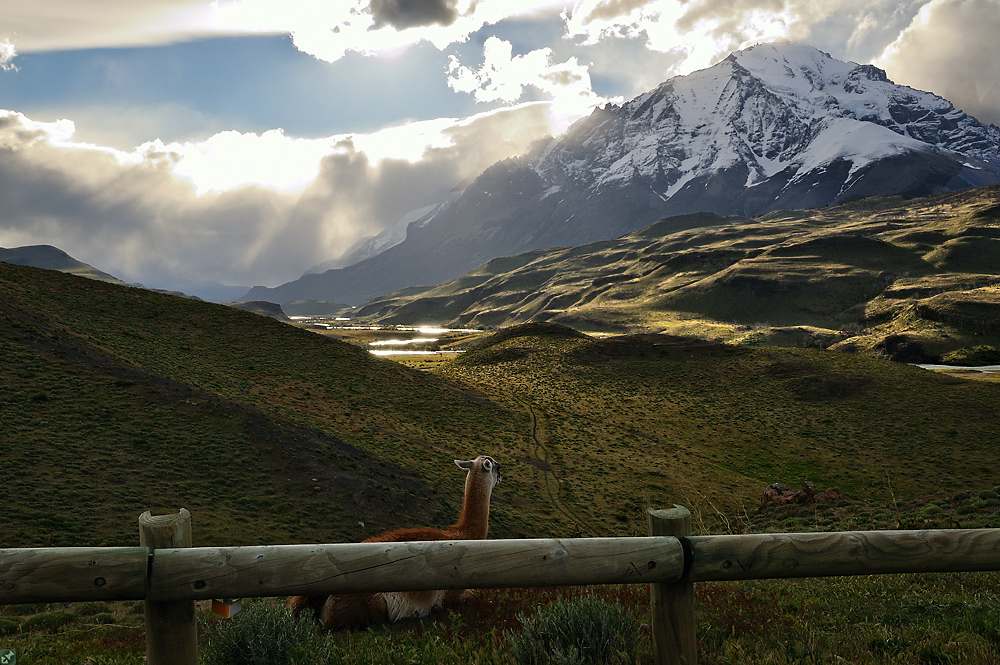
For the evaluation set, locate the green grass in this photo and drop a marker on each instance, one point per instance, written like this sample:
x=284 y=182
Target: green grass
x=117 y=400
x=631 y=422
x=904 y=620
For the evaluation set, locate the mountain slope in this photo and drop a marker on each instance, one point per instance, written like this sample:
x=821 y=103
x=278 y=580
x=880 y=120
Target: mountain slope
x=781 y=126
x=53 y=258
x=913 y=279
x=116 y=400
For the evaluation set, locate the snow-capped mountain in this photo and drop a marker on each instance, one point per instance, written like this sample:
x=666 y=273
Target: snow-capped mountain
x=773 y=126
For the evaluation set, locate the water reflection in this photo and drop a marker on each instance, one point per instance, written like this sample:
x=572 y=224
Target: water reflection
x=985 y=369
x=403 y=342
x=401 y=352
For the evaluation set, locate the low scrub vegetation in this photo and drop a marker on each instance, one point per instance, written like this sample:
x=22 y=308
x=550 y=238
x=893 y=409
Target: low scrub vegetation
x=262 y=633
x=584 y=631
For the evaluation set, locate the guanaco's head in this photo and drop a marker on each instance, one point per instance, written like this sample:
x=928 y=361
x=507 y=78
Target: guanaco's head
x=482 y=469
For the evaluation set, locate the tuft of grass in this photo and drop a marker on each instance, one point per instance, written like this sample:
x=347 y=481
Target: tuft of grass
x=47 y=621
x=9 y=626
x=91 y=608
x=579 y=631
x=100 y=619
x=263 y=633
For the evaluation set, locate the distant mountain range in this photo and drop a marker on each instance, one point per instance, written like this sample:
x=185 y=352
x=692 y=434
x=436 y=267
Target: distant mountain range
x=915 y=279
x=776 y=126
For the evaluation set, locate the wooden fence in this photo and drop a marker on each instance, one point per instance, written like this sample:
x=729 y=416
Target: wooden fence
x=169 y=575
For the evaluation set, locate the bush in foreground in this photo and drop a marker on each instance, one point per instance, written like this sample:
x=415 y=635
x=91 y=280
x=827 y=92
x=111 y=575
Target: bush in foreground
x=579 y=631
x=264 y=634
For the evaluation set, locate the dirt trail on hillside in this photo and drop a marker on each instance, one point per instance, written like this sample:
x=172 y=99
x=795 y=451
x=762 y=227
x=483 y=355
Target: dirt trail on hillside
x=551 y=484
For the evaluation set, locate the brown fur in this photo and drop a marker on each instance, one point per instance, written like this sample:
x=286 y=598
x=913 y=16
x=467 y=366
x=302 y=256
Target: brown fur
x=349 y=611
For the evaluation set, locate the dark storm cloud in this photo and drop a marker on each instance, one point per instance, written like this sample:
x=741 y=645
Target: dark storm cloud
x=402 y=14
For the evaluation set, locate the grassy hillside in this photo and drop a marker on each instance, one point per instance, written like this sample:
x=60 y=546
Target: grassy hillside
x=631 y=421
x=52 y=258
x=914 y=279
x=116 y=400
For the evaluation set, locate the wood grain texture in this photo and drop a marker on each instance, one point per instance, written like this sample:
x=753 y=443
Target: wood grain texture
x=69 y=574
x=312 y=570
x=775 y=555
x=672 y=621
x=171 y=627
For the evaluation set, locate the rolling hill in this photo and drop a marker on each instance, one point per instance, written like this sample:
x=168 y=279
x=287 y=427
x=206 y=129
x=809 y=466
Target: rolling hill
x=914 y=279
x=116 y=400
x=53 y=258
x=628 y=421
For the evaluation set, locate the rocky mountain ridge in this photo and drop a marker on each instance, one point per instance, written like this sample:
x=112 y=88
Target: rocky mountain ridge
x=775 y=126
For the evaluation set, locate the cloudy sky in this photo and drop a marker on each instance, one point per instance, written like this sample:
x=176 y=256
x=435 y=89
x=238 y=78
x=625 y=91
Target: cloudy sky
x=244 y=141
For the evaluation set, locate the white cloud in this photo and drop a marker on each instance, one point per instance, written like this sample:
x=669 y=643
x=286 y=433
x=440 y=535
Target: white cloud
x=74 y=24
x=140 y=216
x=125 y=126
x=328 y=30
x=231 y=160
x=951 y=48
x=7 y=55
x=700 y=33
x=504 y=77
x=325 y=29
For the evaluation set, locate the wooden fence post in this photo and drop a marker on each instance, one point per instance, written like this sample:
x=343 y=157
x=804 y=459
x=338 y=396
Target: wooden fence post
x=673 y=623
x=172 y=627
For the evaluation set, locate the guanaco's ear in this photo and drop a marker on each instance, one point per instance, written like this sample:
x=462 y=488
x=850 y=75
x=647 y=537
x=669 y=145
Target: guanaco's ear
x=467 y=465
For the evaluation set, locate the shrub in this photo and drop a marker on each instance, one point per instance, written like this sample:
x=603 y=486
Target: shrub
x=50 y=621
x=101 y=618
x=264 y=634
x=577 y=631
x=91 y=608
x=24 y=609
x=8 y=626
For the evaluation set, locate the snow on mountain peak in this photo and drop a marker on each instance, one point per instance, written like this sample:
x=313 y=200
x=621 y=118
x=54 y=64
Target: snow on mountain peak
x=764 y=109
x=775 y=126
x=802 y=68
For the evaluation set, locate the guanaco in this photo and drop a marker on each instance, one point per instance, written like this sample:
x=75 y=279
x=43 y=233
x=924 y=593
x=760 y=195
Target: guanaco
x=347 y=611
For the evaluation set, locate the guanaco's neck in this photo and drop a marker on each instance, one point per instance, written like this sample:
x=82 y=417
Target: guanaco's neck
x=474 y=521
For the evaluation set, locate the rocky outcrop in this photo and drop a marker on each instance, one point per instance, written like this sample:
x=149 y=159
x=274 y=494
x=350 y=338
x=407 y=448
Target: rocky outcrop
x=780 y=494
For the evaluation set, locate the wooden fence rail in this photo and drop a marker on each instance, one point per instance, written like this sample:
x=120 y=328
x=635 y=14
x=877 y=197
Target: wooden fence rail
x=286 y=570
x=169 y=579
x=72 y=574
x=776 y=555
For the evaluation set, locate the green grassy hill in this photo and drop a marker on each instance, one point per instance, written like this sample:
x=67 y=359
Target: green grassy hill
x=914 y=279
x=115 y=400
x=53 y=258
x=631 y=421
